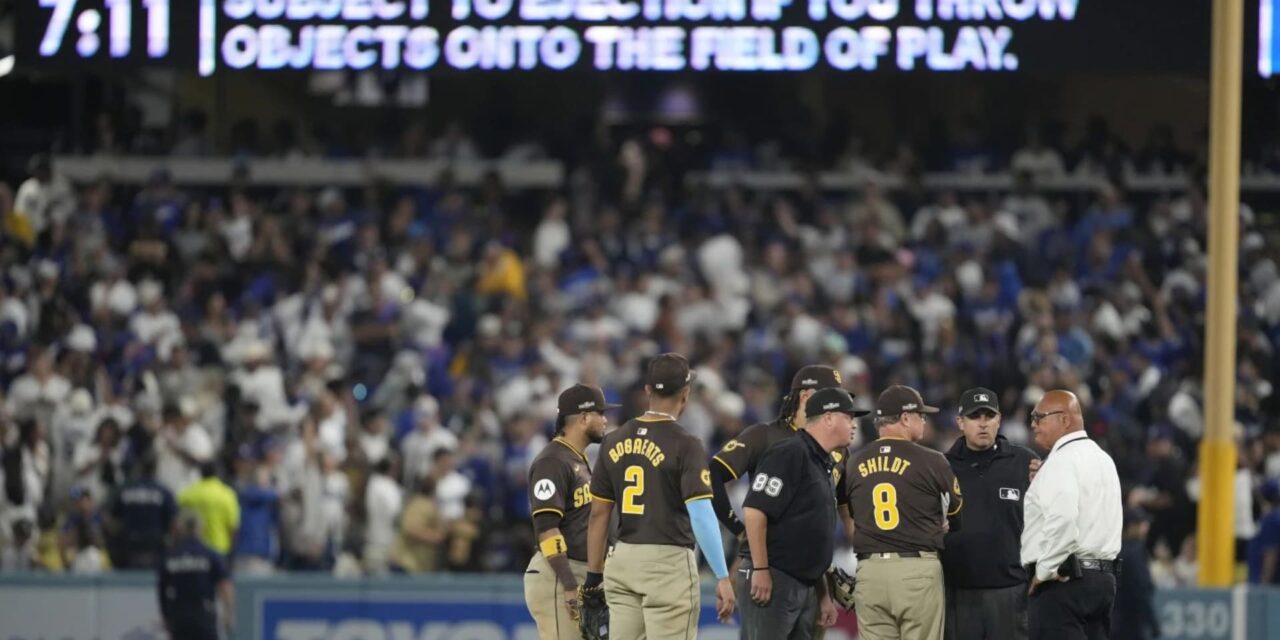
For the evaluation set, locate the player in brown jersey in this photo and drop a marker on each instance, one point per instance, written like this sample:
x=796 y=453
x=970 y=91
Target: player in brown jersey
x=739 y=457
x=902 y=496
x=656 y=476
x=560 y=497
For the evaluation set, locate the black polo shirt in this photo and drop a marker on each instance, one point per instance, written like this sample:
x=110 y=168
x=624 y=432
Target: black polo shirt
x=188 y=584
x=792 y=486
x=986 y=554
x=145 y=511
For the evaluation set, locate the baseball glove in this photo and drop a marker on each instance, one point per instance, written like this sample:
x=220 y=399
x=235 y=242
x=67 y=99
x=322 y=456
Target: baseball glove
x=842 y=585
x=594 y=622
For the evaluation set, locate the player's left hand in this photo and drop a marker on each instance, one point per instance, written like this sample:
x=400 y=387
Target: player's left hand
x=826 y=612
x=1035 y=582
x=571 y=601
x=726 y=601
x=761 y=587
x=1032 y=469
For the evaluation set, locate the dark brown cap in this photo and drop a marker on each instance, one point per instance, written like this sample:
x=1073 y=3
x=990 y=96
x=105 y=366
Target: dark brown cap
x=583 y=398
x=816 y=376
x=668 y=373
x=901 y=399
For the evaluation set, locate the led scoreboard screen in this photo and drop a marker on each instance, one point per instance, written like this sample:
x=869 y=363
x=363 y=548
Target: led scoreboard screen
x=689 y=36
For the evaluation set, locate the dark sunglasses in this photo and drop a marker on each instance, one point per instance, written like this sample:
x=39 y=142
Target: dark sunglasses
x=1037 y=417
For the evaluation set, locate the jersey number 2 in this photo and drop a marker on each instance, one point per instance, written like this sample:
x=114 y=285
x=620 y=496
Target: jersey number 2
x=634 y=477
x=885 y=499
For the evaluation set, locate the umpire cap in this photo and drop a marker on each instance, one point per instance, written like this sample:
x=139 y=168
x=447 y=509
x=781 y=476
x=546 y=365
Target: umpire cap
x=978 y=399
x=815 y=376
x=831 y=400
x=901 y=399
x=668 y=373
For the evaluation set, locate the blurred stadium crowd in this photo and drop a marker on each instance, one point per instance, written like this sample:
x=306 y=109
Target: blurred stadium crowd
x=371 y=371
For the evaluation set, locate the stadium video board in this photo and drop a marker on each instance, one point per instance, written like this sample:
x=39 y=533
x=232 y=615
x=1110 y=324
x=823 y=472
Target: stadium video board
x=684 y=36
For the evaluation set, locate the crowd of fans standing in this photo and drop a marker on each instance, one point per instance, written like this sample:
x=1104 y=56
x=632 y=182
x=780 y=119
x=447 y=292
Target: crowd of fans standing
x=363 y=376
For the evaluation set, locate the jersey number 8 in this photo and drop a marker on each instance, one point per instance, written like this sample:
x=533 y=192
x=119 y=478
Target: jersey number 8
x=633 y=476
x=771 y=486
x=885 y=499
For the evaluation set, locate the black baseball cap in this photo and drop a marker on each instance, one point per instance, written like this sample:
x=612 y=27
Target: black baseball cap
x=815 y=376
x=668 y=373
x=829 y=400
x=901 y=399
x=581 y=398
x=977 y=399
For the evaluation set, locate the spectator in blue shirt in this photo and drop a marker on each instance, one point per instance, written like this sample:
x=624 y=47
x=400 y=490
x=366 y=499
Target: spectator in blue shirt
x=257 y=542
x=1264 y=549
x=82 y=537
x=84 y=515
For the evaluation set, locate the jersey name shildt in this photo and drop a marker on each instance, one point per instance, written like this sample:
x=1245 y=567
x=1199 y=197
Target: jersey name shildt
x=883 y=464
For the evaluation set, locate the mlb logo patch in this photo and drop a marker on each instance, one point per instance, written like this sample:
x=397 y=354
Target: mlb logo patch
x=1010 y=494
x=642 y=430
x=885 y=449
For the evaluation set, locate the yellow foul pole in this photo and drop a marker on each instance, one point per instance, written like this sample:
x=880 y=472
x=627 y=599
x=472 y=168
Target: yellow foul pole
x=1215 y=541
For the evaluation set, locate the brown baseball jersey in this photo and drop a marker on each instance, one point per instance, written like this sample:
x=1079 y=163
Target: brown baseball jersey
x=560 y=482
x=899 y=494
x=650 y=467
x=741 y=455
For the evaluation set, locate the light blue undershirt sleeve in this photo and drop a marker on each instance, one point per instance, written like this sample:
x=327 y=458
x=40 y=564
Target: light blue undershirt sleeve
x=706 y=530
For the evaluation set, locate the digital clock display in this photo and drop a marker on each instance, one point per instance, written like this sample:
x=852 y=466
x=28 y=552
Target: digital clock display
x=134 y=31
x=654 y=36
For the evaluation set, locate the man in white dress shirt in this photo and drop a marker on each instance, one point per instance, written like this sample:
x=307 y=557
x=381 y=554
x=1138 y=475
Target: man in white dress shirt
x=1073 y=521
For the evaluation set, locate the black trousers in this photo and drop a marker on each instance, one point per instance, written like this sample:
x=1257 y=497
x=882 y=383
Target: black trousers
x=1079 y=609
x=987 y=614
x=195 y=627
x=790 y=614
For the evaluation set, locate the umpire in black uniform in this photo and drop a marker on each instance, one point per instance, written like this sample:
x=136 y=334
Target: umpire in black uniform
x=142 y=515
x=190 y=576
x=790 y=517
x=986 y=583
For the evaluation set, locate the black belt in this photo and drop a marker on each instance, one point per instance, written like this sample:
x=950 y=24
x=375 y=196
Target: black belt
x=896 y=554
x=1105 y=566
x=1069 y=566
